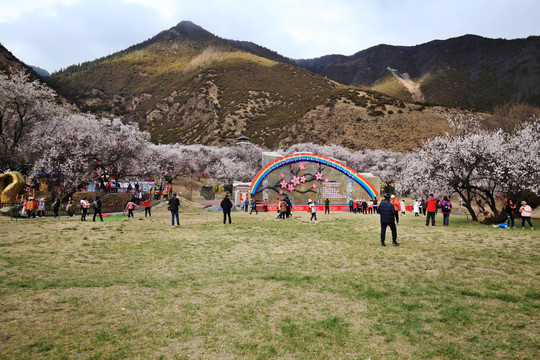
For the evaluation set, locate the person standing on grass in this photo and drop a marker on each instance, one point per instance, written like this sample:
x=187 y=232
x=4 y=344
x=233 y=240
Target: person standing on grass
x=56 y=206
x=227 y=205
x=510 y=210
x=327 y=206
x=416 y=208
x=395 y=202
x=403 y=207
x=423 y=206
x=85 y=205
x=387 y=213
x=431 y=208
x=265 y=205
x=30 y=207
x=446 y=209
x=174 y=206
x=146 y=204
x=526 y=212
x=313 y=211
x=41 y=208
x=96 y=204
x=289 y=206
x=282 y=209
x=130 y=206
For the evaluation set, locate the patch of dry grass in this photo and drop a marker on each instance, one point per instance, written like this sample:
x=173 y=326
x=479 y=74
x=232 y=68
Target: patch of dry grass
x=265 y=288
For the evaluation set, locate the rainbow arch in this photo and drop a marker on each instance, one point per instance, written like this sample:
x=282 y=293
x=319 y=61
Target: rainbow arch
x=308 y=157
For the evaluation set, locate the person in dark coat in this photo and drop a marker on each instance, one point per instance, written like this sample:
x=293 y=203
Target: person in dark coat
x=97 y=208
x=387 y=210
x=226 y=205
x=56 y=206
x=174 y=205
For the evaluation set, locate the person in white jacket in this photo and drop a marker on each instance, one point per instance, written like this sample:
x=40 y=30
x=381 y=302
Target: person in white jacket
x=416 y=208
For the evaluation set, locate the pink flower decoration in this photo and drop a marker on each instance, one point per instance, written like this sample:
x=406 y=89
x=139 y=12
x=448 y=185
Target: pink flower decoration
x=283 y=176
x=291 y=188
x=318 y=175
x=314 y=186
x=280 y=192
x=302 y=166
x=303 y=179
x=326 y=180
x=283 y=184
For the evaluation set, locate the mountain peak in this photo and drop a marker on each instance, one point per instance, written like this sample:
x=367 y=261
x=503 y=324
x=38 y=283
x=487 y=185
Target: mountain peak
x=187 y=29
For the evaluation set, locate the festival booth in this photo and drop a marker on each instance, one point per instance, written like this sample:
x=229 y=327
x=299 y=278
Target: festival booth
x=241 y=192
x=304 y=176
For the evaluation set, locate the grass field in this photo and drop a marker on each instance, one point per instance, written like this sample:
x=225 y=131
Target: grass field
x=264 y=288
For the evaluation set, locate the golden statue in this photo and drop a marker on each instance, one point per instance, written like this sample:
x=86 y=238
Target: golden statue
x=10 y=185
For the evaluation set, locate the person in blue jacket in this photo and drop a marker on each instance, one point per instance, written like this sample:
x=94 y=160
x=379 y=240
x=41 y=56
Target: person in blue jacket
x=387 y=211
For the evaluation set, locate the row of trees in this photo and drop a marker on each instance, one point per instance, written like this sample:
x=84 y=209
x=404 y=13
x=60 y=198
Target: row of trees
x=48 y=138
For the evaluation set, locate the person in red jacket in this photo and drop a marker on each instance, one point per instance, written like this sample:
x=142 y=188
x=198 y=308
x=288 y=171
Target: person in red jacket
x=431 y=209
x=147 y=207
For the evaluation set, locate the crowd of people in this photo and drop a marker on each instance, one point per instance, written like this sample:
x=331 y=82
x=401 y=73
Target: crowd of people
x=389 y=209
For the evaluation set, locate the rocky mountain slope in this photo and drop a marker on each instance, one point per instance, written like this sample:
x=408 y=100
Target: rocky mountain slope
x=469 y=71
x=186 y=85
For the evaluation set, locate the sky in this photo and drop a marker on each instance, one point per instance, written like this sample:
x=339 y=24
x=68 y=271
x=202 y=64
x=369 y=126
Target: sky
x=53 y=34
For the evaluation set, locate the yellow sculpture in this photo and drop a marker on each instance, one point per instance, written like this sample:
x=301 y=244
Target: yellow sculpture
x=10 y=185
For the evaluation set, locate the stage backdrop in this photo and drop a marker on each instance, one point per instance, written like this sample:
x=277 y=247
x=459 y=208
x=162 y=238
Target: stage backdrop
x=305 y=180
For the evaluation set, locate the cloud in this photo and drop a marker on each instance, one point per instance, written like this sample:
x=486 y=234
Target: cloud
x=54 y=34
x=13 y=10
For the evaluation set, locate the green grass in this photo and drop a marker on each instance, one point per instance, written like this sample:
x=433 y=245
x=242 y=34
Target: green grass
x=266 y=289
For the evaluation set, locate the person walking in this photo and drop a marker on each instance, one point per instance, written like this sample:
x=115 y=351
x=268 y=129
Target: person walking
x=327 y=206
x=254 y=207
x=395 y=202
x=265 y=207
x=510 y=210
x=386 y=212
x=226 y=205
x=403 y=207
x=85 y=205
x=130 y=206
x=313 y=211
x=174 y=206
x=147 y=207
x=526 y=212
x=423 y=206
x=446 y=209
x=431 y=208
x=246 y=205
x=96 y=204
x=56 y=206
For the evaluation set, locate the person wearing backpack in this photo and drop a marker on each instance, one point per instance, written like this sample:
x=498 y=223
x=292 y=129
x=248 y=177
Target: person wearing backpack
x=446 y=208
x=96 y=205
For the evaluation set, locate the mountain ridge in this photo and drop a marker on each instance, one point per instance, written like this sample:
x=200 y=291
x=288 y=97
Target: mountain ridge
x=470 y=62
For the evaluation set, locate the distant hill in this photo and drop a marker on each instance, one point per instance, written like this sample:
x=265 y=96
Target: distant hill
x=468 y=71
x=41 y=72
